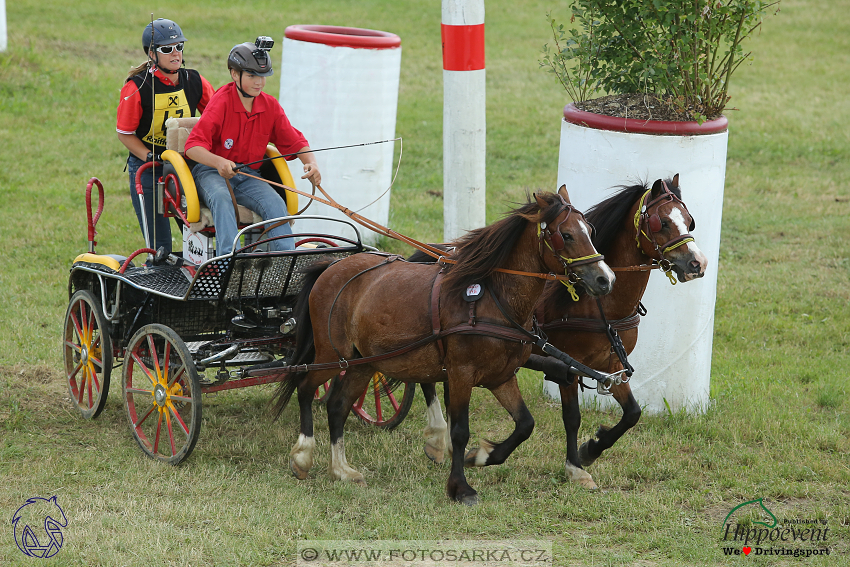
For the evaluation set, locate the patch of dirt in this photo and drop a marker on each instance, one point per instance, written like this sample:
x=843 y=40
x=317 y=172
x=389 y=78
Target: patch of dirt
x=641 y=107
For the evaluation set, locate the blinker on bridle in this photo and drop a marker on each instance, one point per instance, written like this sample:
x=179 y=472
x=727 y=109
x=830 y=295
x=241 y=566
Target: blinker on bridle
x=653 y=224
x=554 y=240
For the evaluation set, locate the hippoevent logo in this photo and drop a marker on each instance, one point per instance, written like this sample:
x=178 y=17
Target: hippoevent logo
x=38 y=527
x=769 y=535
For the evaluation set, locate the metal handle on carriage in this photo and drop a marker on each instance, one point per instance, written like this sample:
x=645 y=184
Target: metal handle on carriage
x=93 y=221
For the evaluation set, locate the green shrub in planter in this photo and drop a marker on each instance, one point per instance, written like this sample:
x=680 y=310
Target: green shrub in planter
x=683 y=52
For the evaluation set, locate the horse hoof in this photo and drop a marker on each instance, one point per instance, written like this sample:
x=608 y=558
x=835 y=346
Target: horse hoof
x=436 y=455
x=469 y=500
x=580 y=477
x=359 y=480
x=297 y=471
x=477 y=456
x=584 y=455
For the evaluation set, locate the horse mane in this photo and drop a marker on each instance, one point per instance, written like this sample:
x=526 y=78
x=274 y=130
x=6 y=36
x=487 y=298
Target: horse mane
x=481 y=251
x=607 y=218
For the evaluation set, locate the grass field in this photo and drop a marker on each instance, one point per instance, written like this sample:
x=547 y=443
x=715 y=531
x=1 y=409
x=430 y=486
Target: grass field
x=779 y=422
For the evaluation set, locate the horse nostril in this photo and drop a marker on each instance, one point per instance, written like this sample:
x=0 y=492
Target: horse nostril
x=695 y=266
x=603 y=283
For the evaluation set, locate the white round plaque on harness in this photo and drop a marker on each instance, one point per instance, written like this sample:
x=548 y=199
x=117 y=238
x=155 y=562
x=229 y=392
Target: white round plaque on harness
x=473 y=292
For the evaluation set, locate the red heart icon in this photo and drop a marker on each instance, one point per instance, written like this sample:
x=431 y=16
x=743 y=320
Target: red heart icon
x=747 y=550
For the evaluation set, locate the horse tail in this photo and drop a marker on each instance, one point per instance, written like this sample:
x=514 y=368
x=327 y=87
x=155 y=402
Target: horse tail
x=305 y=346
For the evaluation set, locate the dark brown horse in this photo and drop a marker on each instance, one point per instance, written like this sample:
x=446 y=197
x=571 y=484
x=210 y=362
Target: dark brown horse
x=638 y=228
x=369 y=305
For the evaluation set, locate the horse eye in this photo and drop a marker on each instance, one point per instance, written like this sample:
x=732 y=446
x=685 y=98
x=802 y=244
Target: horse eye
x=567 y=236
x=665 y=224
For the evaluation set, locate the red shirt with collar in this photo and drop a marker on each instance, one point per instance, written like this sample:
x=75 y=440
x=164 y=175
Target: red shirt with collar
x=227 y=130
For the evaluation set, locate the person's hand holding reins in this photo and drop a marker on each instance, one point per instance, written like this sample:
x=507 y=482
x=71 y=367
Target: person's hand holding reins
x=311 y=172
x=225 y=167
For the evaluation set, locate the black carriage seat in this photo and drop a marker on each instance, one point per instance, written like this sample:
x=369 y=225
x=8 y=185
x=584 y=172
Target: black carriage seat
x=184 y=196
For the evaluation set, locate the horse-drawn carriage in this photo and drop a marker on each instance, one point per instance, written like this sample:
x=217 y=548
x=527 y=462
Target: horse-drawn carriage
x=227 y=322
x=181 y=329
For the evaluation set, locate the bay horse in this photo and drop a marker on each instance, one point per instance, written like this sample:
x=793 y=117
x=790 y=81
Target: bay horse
x=638 y=228
x=422 y=323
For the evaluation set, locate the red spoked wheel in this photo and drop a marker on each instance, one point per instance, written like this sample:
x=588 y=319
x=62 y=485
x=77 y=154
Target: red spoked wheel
x=162 y=394
x=87 y=351
x=381 y=407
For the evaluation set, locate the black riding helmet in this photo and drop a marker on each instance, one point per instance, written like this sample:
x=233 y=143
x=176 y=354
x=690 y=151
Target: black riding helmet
x=248 y=58
x=164 y=32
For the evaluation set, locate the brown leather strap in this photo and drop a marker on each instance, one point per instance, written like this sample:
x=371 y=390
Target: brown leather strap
x=233 y=200
x=481 y=329
x=435 y=313
x=592 y=325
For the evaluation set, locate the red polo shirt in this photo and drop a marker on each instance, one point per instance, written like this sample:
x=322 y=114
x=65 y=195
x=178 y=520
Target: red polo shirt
x=227 y=130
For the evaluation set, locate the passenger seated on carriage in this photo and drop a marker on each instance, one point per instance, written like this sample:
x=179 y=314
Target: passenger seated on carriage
x=154 y=91
x=237 y=125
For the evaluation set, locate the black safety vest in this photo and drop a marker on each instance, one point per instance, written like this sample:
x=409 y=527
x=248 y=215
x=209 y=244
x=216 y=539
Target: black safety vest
x=161 y=102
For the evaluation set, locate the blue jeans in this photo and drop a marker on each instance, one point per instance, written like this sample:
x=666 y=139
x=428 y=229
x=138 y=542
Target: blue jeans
x=159 y=228
x=251 y=193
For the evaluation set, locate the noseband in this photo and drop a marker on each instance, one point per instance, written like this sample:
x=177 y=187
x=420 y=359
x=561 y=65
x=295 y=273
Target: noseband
x=554 y=240
x=651 y=223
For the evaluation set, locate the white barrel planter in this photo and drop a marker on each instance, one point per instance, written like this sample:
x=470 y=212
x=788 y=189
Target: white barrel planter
x=672 y=359
x=339 y=86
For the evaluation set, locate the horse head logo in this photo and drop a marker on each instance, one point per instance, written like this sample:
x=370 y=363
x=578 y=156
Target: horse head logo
x=760 y=502
x=38 y=527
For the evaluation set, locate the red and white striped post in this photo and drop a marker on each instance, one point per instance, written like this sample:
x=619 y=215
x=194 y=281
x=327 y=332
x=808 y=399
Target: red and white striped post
x=464 y=117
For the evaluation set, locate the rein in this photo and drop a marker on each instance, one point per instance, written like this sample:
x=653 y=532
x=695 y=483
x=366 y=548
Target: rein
x=421 y=246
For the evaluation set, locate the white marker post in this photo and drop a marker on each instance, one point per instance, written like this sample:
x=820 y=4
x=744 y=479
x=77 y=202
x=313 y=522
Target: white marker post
x=3 y=42
x=464 y=117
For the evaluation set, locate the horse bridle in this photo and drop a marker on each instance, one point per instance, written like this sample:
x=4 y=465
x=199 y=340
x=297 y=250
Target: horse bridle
x=652 y=224
x=554 y=240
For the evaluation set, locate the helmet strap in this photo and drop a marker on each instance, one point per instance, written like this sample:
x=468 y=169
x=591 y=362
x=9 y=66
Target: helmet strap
x=239 y=86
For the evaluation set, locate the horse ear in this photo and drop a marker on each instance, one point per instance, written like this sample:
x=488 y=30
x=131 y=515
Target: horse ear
x=562 y=191
x=675 y=182
x=540 y=202
x=657 y=187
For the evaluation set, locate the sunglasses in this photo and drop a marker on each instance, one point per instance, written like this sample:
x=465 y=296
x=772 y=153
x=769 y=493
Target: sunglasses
x=166 y=49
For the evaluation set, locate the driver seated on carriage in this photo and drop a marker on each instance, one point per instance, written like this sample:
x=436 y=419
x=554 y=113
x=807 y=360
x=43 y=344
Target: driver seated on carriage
x=236 y=128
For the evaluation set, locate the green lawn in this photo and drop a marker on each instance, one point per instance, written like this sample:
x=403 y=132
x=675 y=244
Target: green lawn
x=777 y=428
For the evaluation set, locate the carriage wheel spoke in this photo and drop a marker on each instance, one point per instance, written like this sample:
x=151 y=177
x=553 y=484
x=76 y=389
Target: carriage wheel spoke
x=391 y=397
x=144 y=368
x=139 y=391
x=139 y=423
x=77 y=328
x=170 y=433
x=82 y=386
x=179 y=419
x=73 y=373
x=176 y=376
x=77 y=348
x=377 y=392
x=158 y=429
x=155 y=360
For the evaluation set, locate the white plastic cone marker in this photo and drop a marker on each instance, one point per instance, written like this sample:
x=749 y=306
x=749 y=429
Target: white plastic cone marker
x=339 y=86
x=464 y=117
x=672 y=359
